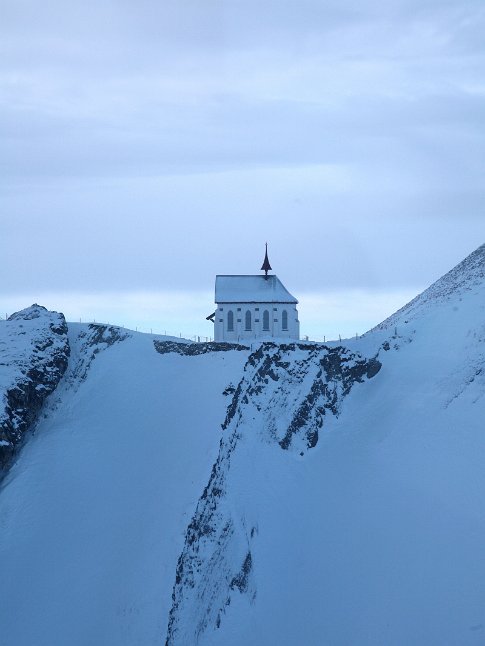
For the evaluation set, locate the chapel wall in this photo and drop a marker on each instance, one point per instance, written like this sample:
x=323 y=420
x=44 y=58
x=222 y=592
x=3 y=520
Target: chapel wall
x=239 y=331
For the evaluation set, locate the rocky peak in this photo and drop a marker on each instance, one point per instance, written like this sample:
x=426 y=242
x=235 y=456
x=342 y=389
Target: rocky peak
x=34 y=352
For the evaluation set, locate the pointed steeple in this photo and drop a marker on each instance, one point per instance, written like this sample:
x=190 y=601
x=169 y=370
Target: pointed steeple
x=266 y=266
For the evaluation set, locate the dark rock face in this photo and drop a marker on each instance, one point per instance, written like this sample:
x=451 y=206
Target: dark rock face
x=34 y=357
x=279 y=371
x=34 y=353
x=241 y=580
x=282 y=400
x=194 y=349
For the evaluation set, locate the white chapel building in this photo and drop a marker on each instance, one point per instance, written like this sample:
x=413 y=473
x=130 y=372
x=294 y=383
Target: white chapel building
x=254 y=307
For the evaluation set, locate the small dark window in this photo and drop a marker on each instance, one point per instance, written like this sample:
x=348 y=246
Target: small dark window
x=284 y=320
x=230 y=321
x=247 y=327
x=265 y=321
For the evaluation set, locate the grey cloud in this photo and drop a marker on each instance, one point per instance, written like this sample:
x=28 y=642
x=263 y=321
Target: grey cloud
x=139 y=135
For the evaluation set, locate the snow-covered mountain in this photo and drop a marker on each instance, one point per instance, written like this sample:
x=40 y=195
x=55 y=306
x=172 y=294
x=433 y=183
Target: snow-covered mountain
x=34 y=353
x=290 y=494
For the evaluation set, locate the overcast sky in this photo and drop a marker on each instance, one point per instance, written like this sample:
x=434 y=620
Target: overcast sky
x=147 y=146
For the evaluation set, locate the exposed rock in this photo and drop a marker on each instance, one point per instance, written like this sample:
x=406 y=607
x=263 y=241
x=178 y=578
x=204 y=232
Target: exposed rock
x=34 y=352
x=229 y=390
x=193 y=349
x=327 y=374
x=95 y=339
x=241 y=580
x=282 y=400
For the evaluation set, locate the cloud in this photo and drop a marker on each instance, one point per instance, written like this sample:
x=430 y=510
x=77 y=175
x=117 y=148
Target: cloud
x=150 y=145
x=178 y=231
x=116 y=89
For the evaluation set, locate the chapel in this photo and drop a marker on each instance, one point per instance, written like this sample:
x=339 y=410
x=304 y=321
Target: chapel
x=254 y=307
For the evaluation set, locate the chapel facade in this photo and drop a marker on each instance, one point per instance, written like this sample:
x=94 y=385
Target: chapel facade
x=254 y=307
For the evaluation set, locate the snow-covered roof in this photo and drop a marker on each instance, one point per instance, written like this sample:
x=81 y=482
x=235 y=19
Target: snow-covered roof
x=252 y=289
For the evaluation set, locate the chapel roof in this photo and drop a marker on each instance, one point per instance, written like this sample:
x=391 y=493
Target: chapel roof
x=252 y=289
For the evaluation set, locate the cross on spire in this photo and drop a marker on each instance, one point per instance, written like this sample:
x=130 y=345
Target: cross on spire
x=266 y=266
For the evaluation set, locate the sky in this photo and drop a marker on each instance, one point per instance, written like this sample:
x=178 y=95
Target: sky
x=148 y=146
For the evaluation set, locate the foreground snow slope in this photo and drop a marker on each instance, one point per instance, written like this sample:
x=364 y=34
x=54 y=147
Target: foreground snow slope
x=344 y=504
x=93 y=513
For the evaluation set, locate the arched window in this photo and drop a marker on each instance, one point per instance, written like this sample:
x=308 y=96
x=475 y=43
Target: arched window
x=230 y=321
x=248 y=321
x=265 y=321
x=284 y=320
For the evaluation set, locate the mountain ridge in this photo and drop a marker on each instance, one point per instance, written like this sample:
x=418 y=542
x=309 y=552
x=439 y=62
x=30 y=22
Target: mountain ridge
x=466 y=275
x=297 y=493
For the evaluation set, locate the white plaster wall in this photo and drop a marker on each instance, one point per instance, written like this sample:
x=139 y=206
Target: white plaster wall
x=257 y=309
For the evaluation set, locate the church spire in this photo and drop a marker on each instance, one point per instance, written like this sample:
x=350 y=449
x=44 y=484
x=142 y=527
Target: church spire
x=266 y=266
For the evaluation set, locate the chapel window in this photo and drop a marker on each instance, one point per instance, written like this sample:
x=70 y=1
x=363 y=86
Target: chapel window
x=284 y=320
x=230 y=321
x=265 y=321
x=248 y=321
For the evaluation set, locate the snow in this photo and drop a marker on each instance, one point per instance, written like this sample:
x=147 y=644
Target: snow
x=251 y=289
x=467 y=276
x=375 y=536
x=94 y=511
x=18 y=338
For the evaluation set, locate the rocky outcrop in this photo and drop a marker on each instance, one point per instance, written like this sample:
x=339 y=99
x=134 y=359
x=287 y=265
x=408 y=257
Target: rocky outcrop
x=326 y=374
x=194 y=349
x=282 y=400
x=89 y=343
x=34 y=353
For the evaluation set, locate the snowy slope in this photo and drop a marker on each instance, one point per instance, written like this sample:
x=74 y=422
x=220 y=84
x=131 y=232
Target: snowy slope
x=467 y=278
x=341 y=503
x=92 y=515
